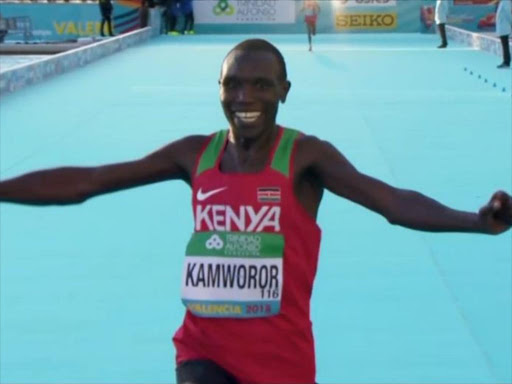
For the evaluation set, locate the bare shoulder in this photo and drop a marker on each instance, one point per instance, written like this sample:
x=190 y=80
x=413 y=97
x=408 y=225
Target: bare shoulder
x=192 y=144
x=310 y=150
x=177 y=157
x=190 y=148
x=320 y=158
x=181 y=149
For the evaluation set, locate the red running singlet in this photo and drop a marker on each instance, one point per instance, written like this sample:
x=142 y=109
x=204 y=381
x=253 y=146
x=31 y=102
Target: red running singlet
x=249 y=270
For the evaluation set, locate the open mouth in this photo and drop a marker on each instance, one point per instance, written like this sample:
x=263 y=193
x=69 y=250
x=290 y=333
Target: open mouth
x=247 y=117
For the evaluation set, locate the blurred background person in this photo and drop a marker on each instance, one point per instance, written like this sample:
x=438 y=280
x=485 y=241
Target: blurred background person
x=311 y=10
x=187 y=10
x=172 y=12
x=441 y=15
x=3 y=29
x=144 y=14
x=503 y=29
x=106 y=9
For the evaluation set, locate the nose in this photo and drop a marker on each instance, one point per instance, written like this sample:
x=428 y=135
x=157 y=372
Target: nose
x=244 y=93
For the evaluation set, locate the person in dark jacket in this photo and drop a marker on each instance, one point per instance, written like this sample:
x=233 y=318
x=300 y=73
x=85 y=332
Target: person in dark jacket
x=187 y=11
x=106 y=9
x=172 y=12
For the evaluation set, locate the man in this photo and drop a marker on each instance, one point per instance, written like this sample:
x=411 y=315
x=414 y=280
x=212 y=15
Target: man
x=311 y=10
x=187 y=9
x=106 y=9
x=251 y=261
x=172 y=13
x=144 y=14
x=441 y=15
x=3 y=28
x=503 y=30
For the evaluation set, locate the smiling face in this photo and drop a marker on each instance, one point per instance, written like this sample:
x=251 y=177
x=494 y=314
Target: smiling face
x=252 y=84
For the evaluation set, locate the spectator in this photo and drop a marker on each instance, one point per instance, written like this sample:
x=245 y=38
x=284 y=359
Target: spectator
x=187 y=10
x=106 y=9
x=144 y=14
x=3 y=29
x=172 y=12
x=441 y=16
x=503 y=29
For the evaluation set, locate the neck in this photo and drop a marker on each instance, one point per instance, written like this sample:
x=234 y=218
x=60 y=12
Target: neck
x=252 y=144
x=251 y=153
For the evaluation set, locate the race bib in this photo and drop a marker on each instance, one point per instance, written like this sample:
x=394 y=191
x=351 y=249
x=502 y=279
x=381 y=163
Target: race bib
x=233 y=274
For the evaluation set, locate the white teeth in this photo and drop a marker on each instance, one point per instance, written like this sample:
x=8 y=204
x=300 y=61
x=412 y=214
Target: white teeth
x=247 y=117
x=247 y=114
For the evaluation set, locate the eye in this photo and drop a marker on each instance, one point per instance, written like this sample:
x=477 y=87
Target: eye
x=230 y=83
x=262 y=84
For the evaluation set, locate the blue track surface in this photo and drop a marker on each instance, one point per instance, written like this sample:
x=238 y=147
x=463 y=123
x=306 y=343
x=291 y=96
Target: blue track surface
x=90 y=293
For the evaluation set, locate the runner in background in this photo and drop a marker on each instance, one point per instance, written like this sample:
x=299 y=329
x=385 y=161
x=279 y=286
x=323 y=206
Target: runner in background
x=311 y=10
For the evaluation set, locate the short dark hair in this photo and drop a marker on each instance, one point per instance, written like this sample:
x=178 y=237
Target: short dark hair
x=262 y=45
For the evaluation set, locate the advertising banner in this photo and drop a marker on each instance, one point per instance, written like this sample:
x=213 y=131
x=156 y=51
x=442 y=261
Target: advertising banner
x=364 y=3
x=365 y=15
x=473 y=2
x=471 y=15
x=41 y=22
x=34 y=22
x=244 y=11
x=366 y=21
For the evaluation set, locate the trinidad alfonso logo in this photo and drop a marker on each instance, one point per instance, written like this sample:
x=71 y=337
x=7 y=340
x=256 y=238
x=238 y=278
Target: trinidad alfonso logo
x=214 y=242
x=223 y=8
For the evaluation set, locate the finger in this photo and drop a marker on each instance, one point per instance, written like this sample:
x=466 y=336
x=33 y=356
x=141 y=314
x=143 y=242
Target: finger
x=502 y=212
x=499 y=200
x=501 y=196
x=499 y=206
x=503 y=217
x=486 y=210
x=502 y=200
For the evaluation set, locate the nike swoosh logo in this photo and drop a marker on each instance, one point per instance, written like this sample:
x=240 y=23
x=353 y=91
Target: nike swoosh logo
x=204 y=195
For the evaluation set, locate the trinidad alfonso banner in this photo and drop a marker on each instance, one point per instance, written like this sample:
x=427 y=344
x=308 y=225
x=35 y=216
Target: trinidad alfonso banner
x=245 y=11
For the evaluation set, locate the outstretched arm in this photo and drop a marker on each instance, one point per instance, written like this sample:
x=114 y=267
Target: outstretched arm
x=72 y=185
x=400 y=206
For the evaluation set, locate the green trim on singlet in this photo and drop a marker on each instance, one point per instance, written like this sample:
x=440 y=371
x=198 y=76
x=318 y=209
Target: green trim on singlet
x=282 y=156
x=211 y=153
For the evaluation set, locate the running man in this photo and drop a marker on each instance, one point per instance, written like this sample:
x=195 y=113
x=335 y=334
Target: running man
x=252 y=258
x=311 y=9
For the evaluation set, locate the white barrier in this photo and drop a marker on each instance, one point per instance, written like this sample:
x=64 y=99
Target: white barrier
x=488 y=43
x=24 y=75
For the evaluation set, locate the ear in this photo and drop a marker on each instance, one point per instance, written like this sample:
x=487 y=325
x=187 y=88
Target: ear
x=286 y=88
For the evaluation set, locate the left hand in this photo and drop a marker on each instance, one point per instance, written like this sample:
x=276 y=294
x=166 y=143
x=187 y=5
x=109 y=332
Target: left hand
x=496 y=215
